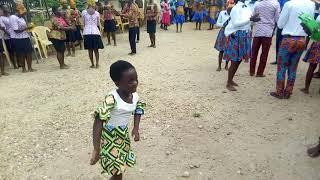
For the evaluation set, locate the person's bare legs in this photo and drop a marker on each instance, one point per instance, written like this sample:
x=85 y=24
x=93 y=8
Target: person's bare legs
x=196 y=25
x=2 y=66
x=177 y=25
x=220 y=60
x=108 y=37
x=96 y=53
x=80 y=44
x=21 y=61
x=151 y=40
x=200 y=25
x=73 y=48
x=232 y=71
x=311 y=69
x=181 y=27
x=90 y=51
x=113 y=34
x=154 y=40
x=226 y=66
x=116 y=177
x=13 y=61
x=68 y=48
x=29 y=62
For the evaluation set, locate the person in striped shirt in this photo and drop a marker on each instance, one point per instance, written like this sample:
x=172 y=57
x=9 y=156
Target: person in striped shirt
x=269 y=11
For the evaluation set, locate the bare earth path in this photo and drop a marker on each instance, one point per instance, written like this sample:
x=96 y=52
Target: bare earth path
x=45 y=122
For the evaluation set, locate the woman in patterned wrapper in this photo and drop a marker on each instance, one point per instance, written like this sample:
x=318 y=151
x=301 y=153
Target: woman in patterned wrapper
x=111 y=142
x=57 y=34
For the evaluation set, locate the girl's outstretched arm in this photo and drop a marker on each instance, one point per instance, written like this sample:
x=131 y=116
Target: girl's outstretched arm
x=135 y=130
x=96 y=134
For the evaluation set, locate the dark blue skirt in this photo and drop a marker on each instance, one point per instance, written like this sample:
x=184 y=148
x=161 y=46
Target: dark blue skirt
x=1 y=47
x=9 y=45
x=93 y=42
x=152 y=26
x=110 y=26
x=22 y=46
x=59 y=45
x=179 y=19
x=221 y=41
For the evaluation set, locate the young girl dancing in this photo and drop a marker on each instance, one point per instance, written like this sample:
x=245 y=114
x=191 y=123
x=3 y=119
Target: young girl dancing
x=179 y=18
x=91 y=32
x=220 y=44
x=111 y=142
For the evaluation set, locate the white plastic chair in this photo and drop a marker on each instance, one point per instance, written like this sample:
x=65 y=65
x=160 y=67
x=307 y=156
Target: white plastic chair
x=41 y=32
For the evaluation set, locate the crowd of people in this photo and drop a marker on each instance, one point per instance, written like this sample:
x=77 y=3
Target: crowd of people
x=245 y=27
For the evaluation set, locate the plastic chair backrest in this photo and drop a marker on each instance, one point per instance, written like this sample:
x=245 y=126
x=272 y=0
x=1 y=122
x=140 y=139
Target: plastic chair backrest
x=41 y=32
x=48 y=24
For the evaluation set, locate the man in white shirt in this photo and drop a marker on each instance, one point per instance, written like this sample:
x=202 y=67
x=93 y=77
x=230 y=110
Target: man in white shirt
x=292 y=45
x=238 y=33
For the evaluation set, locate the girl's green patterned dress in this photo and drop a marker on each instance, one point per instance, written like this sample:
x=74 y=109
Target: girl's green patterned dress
x=115 y=150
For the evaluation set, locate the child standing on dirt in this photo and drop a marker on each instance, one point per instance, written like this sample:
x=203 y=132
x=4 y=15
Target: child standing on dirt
x=111 y=143
x=220 y=44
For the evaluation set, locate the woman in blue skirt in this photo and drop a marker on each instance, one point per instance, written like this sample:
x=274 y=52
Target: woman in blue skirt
x=199 y=13
x=179 y=17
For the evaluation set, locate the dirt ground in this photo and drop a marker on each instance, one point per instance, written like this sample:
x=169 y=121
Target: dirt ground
x=45 y=122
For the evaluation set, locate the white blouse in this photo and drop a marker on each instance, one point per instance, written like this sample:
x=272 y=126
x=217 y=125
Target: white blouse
x=222 y=18
x=122 y=112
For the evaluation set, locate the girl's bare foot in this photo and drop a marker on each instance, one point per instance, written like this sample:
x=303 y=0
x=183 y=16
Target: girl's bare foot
x=5 y=74
x=276 y=95
x=234 y=84
x=97 y=66
x=260 y=75
x=115 y=44
x=24 y=71
x=150 y=46
x=304 y=90
x=64 y=67
x=226 y=68
x=314 y=152
x=32 y=70
x=230 y=87
x=219 y=69
x=92 y=66
x=73 y=55
x=154 y=46
x=69 y=54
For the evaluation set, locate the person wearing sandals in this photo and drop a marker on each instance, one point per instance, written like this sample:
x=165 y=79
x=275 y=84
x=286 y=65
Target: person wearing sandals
x=91 y=32
x=292 y=45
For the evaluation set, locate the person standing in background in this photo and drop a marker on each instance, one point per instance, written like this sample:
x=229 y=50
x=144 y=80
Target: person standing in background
x=278 y=34
x=131 y=12
x=292 y=45
x=173 y=8
x=109 y=22
x=165 y=14
x=317 y=2
x=188 y=10
x=238 y=33
x=179 y=19
x=151 y=15
x=21 y=38
x=7 y=38
x=199 y=13
x=213 y=11
x=269 y=11
x=3 y=31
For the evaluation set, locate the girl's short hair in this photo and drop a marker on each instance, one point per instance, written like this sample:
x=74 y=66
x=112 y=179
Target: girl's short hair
x=117 y=69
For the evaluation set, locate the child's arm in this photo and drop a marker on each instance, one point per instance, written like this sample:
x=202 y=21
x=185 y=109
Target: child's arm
x=135 y=130
x=101 y=115
x=96 y=134
x=137 y=116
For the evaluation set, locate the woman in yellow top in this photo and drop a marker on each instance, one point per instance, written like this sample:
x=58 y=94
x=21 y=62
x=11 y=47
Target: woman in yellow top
x=57 y=34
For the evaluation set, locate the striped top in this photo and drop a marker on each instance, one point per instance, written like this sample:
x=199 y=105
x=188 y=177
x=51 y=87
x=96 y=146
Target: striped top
x=269 y=11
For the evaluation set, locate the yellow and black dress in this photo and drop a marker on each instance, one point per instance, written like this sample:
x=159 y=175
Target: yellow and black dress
x=115 y=150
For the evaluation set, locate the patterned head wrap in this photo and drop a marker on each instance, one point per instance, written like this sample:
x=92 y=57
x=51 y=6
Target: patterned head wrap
x=72 y=4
